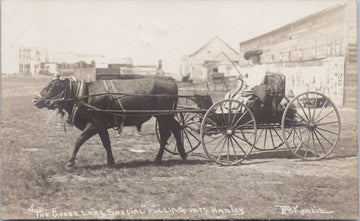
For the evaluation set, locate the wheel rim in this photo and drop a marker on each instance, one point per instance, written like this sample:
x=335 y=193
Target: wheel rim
x=314 y=123
x=228 y=132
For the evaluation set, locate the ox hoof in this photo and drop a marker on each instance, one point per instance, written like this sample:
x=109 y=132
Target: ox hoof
x=110 y=161
x=158 y=162
x=184 y=156
x=111 y=165
x=71 y=164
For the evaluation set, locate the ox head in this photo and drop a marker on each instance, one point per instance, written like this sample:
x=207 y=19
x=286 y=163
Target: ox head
x=54 y=90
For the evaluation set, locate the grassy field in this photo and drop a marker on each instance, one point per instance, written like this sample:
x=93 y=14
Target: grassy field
x=35 y=182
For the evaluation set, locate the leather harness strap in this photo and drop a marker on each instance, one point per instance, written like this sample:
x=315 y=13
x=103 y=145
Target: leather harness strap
x=80 y=90
x=113 y=89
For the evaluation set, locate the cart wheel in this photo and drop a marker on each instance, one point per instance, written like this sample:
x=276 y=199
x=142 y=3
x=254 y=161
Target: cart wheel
x=189 y=123
x=228 y=132
x=314 y=124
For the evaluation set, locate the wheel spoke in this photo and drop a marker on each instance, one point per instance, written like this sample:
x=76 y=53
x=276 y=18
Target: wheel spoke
x=239 y=146
x=313 y=115
x=265 y=137
x=177 y=118
x=301 y=142
x=235 y=114
x=187 y=117
x=228 y=151
x=297 y=114
x=297 y=122
x=191 y=128
x=182 y=136
x=308 y=143
x=322 y=147
x=183 y=116
x=232 y=145
x=261 y=132
x=333 y=122
x=214 y=139
x=222 y=114
x=307 y=96
x=301 y=132
x=209 y=121
x=322 y=108
x=214 y=117
x=229 y=113
x=242 y=115
x=218 y=159
x=272 y=139
x=218 y=119
x=278 y=134
x=247 y=132
x=303 y=110
x=289 y=133
x=313 y=139
x=317 y=121
x=236 y=128
x=192 y=135
x=240 y=138
x=171 y=140
x=327 y=131
x=324 y=137
x=187 y=137
x=221 y=141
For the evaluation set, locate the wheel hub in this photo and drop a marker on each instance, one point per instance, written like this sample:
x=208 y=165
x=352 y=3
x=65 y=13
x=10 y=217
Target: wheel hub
x=229 y=132
x=312 y=126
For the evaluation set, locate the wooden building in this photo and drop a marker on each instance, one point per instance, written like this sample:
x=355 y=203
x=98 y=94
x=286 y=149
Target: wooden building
x=89 y=74
x=113 y=71
x=216 y=58
x=317 y=52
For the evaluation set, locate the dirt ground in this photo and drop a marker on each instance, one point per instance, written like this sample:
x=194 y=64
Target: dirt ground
x=35 y=182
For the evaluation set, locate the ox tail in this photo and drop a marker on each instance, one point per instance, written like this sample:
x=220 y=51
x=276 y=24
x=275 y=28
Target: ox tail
x=64 y=127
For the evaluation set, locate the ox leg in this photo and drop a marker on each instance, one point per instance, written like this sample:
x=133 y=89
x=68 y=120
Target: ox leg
x=175 y=129
x=164 y=136
x=105 y=139
x=88 y=132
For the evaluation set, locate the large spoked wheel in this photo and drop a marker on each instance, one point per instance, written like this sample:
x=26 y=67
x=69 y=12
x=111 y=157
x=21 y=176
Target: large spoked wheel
x=228 y=132
x=313 y=123
x=189 y=129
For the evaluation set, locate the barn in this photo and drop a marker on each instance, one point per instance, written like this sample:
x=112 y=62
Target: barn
x=212 y=61
x=317 y=52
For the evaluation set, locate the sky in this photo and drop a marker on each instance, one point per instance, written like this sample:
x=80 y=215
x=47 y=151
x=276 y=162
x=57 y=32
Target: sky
x=145 y=30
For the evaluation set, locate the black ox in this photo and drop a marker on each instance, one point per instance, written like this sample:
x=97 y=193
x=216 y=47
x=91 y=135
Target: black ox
x=62 y=94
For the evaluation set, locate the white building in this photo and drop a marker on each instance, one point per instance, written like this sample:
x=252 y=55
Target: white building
x=30 y=60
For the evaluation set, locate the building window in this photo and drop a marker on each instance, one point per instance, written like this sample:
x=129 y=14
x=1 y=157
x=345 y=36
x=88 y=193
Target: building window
x=328 y=49
x=337 y=47
x=296 y=55
x=285 y=56
x=313 y=52
x=215 y=70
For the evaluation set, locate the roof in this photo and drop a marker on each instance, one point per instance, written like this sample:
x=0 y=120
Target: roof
x=213 y=39
x=302 y=20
